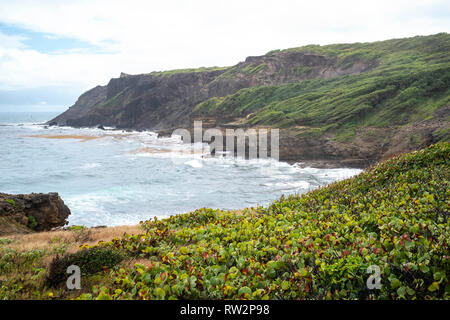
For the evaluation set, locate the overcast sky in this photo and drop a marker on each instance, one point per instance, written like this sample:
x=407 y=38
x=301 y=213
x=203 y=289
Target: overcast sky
x=52 y=51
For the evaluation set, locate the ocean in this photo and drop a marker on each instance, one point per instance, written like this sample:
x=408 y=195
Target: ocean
x=112 y=177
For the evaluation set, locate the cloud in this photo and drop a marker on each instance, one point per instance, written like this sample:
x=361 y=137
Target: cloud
x=143 y=36
x=24 y=68
x=8 y=41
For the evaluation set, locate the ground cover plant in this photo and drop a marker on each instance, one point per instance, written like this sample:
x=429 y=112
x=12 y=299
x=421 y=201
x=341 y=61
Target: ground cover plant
x=317 y=245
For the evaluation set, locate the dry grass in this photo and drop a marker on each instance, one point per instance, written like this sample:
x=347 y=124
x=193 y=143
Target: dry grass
x=73 y=239
x=30 y=272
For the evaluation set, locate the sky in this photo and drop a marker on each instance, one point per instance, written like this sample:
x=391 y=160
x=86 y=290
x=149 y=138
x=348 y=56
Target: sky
x=52 y=51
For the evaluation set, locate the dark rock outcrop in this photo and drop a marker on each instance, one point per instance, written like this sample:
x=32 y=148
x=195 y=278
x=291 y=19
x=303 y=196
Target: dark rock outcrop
x=35 y=211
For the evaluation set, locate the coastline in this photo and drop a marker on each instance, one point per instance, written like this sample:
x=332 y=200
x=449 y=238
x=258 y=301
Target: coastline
x=368 y=146
x=286 y=152
x=348 y=225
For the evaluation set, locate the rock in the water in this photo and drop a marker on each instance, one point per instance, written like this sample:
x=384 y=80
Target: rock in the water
x=35 y=211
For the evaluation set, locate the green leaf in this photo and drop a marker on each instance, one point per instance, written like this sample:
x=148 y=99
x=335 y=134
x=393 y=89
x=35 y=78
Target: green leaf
x=410 y=291
x=433 y=287
x=304 y=272
x=184 y=250
x=147 y=278
x=395 y=283
x=437 y=276
x=104 y=296
x=401 y=292
x=160 y=292
x=243 y=290
x=424 y=268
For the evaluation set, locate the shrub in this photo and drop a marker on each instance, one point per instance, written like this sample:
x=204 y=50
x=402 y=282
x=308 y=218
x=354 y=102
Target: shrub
x=32 y=223
x=90 y=261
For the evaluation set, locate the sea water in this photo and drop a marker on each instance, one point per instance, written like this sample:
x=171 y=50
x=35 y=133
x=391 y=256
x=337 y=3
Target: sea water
x=113 y=177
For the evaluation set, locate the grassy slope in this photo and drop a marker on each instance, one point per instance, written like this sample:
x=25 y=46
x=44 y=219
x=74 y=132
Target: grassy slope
x=312 y=246
x=175 y=71
x=410 y=81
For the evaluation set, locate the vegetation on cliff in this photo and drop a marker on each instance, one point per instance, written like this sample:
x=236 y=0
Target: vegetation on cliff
x=318 y=245
x=409 y=81
x=358 y=103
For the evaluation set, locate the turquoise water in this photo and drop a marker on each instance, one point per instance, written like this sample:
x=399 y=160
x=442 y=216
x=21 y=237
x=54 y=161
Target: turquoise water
x=116 y=178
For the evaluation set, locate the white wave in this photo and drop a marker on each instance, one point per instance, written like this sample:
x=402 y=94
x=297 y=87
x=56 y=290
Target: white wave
x=194 y=163
x=289 y=185
x=91 y=165
x=91 y=209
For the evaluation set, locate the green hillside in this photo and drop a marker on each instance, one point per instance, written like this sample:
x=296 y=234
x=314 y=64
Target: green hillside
x=409 y=80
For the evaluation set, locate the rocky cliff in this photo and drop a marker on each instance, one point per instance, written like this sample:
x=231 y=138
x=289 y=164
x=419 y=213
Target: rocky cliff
x=162 y=100
x=22 y=213
x=344 y=103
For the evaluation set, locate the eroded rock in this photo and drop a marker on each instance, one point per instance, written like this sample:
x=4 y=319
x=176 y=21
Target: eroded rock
x=35 y=211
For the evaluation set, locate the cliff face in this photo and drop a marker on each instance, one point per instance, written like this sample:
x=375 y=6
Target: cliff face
x=165 y=100
x=22 y=213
